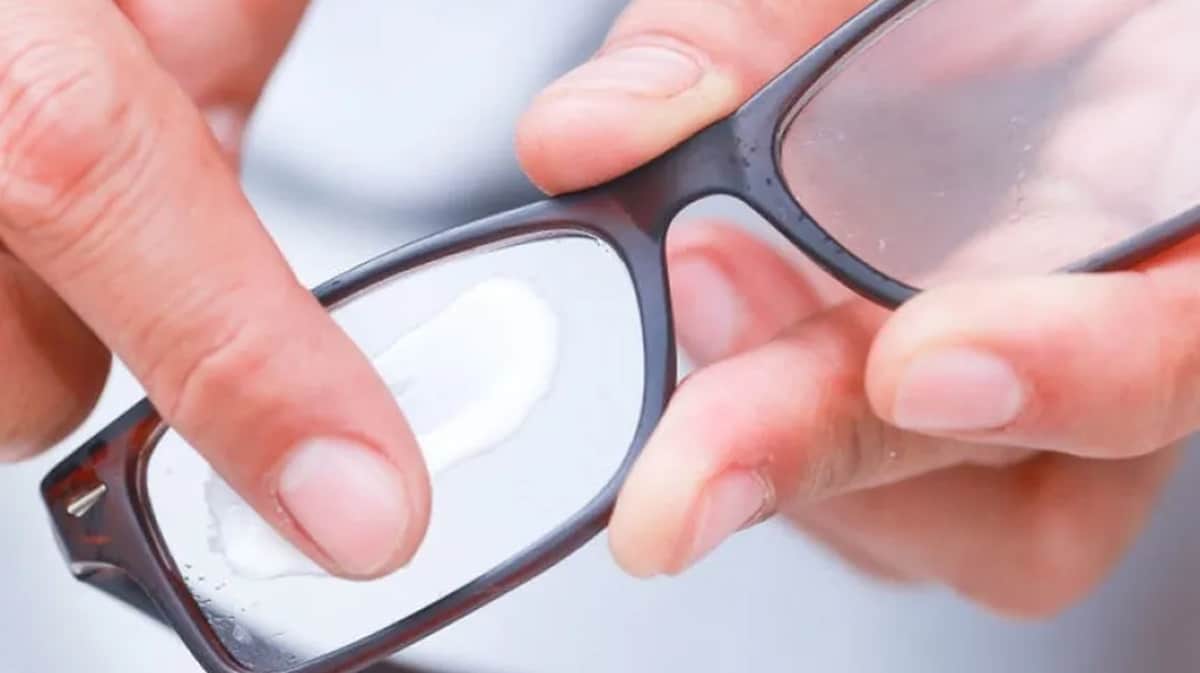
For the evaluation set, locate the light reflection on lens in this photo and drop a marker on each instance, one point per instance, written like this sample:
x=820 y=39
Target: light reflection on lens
x=983 y=137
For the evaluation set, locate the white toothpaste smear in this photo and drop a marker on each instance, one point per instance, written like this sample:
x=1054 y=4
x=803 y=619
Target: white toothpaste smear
x=467 y=379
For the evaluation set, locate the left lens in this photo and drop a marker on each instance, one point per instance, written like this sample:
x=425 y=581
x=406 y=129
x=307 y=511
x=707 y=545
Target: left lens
x=973 y=138
x=521 y=371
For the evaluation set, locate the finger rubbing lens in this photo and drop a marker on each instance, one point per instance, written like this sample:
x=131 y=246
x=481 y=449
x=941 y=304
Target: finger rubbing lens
x=523 y=408
x=921 y=143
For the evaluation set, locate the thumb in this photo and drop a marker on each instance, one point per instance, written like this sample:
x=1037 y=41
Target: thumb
x=668 y=69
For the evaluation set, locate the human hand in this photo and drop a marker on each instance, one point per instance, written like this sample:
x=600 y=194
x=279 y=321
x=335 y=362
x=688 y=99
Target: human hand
x=1013 y=460
x=123 y=227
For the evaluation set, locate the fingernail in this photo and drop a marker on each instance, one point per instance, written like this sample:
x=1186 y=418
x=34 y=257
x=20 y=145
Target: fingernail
x=960 y=390
x=349 y=500
x=644 y=70
x=708 y=311
x=732 y=502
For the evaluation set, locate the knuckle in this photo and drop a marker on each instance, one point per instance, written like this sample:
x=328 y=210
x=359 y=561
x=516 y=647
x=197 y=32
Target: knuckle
x=869 y=450
x=207 y=370
x=62 y=112
x=849 y=446
x=829 y=472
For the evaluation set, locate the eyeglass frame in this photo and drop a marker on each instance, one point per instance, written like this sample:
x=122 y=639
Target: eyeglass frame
x=98 y=497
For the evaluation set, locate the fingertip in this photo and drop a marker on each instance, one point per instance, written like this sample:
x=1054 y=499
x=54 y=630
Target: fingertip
x=353 y=504
x=301 y=424
x=667 y=503
x=574 y=136
x=731 y=291
x=713 y=511
x=649 y=521
x=1033 y=361
x=562 y=145
x=938 y=318
x=641 y=534
x=636 y=557
x=885 y=360
x=773 y=280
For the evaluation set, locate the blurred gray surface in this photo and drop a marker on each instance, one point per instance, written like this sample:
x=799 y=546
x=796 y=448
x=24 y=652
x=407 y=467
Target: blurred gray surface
x=391 y=119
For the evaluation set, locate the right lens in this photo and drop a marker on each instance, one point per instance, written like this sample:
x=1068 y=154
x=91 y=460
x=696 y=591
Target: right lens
x=521 y=370
x=982 y=137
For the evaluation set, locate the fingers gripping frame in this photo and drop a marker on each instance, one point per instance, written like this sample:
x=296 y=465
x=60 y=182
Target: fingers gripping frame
x=98 y=499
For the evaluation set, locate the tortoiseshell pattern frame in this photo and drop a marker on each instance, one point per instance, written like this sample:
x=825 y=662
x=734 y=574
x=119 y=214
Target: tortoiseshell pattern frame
x=98 y=499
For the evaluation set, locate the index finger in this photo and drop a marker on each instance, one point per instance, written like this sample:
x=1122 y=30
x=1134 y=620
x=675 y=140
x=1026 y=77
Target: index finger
x=114 y=192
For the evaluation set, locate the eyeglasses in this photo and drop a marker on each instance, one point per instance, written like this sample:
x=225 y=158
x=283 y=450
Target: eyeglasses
x=920 y=143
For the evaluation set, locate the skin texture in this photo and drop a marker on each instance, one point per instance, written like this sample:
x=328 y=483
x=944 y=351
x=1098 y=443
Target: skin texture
x=1012 y=460
x=123 y=229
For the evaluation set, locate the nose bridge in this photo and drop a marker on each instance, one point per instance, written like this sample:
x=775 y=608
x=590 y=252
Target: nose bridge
x=714 y=161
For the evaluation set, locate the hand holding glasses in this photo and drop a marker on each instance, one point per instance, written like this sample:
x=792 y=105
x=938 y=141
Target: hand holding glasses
x=893 y=155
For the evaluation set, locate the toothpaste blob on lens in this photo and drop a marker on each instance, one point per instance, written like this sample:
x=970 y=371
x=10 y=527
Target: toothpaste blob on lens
x=467 y=379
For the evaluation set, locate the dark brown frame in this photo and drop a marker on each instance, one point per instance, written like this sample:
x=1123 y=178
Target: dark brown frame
x=98 y=500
